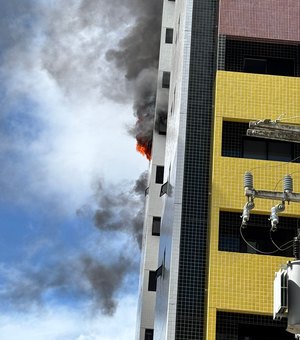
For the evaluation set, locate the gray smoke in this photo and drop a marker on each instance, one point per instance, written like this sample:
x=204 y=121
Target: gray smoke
x=82 y=277
x=76 y=49
x=77 y=62
x=121 y=211
x=68 y=40
x=137 y=55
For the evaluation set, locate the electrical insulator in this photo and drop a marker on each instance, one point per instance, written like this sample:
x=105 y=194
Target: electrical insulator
x=248 y=180
x=246 y=213
x=288 y=183
x=274 y=215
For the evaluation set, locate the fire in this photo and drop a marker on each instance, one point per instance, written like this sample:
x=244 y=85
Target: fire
x=144 y=149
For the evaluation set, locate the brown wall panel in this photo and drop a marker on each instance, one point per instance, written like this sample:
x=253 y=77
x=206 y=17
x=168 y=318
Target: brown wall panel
x=263 y=19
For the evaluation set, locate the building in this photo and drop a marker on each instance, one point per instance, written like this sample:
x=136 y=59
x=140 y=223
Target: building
x=222 y=64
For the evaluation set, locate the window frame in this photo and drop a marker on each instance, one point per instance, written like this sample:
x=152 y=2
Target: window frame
x=159 y=175
x=166 y=79
x=169 y=33
x=152 y=281
x=156 y=220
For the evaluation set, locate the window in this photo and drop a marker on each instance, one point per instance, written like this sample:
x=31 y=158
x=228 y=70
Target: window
x=255 y=65
x=152 y=281
x=257 y=148
x=162 y=128
x=281 y=67
x=159 y=174
x=257 y=234
x=258 y=332
x=236 y=326
x=169 y=36
x=254 y=148
x=261 y=58
x=166 y=80
x=148 y=334
x=235 y=143
x=156 y=226
x=274 y=66
x=161 y=122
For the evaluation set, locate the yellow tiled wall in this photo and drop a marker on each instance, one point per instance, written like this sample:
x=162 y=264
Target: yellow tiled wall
x=244 y=282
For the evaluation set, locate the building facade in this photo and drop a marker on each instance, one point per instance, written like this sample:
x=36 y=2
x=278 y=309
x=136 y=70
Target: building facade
x=223 y=63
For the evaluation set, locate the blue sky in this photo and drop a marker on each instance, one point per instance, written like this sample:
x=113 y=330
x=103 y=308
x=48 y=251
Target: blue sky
x=69 y=245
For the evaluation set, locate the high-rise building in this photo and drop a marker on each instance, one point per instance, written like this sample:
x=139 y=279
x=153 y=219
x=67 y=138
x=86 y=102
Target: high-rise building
x=222 y=64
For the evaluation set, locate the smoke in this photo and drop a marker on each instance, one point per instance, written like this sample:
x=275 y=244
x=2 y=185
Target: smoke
x=121 y=211
x=63 y=44
x=81 y=277
x=96 y=273
x=137 y=55
x=76 y=47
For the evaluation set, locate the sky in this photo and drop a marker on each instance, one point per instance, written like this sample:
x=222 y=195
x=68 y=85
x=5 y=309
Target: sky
x=77 y=87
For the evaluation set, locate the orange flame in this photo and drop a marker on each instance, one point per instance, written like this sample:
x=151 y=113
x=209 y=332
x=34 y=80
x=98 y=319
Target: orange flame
x=144 y=150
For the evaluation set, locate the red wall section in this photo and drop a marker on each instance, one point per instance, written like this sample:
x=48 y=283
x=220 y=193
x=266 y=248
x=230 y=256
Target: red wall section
x=265 y=19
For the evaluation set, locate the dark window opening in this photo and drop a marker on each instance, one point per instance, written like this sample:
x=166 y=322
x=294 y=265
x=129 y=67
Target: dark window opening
x=156 y=226
x=261 y=58
x=257 y=234
x=235 y=143
x=159 y=174
x=166 y=80
x=162 y=128
x=169 y=36
x=161 y=122
x=253 y=65
x=273 y=66
x=148 y=334
x=258 y=332
x=152 y=281
x=236 y=326
x=256 y=148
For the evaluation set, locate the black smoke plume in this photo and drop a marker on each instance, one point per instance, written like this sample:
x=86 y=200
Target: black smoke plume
x=137 y=55
x=121 y=211
x=81 y=277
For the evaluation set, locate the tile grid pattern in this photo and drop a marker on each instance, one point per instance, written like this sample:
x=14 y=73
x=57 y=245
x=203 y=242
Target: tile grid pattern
x=190 y=318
